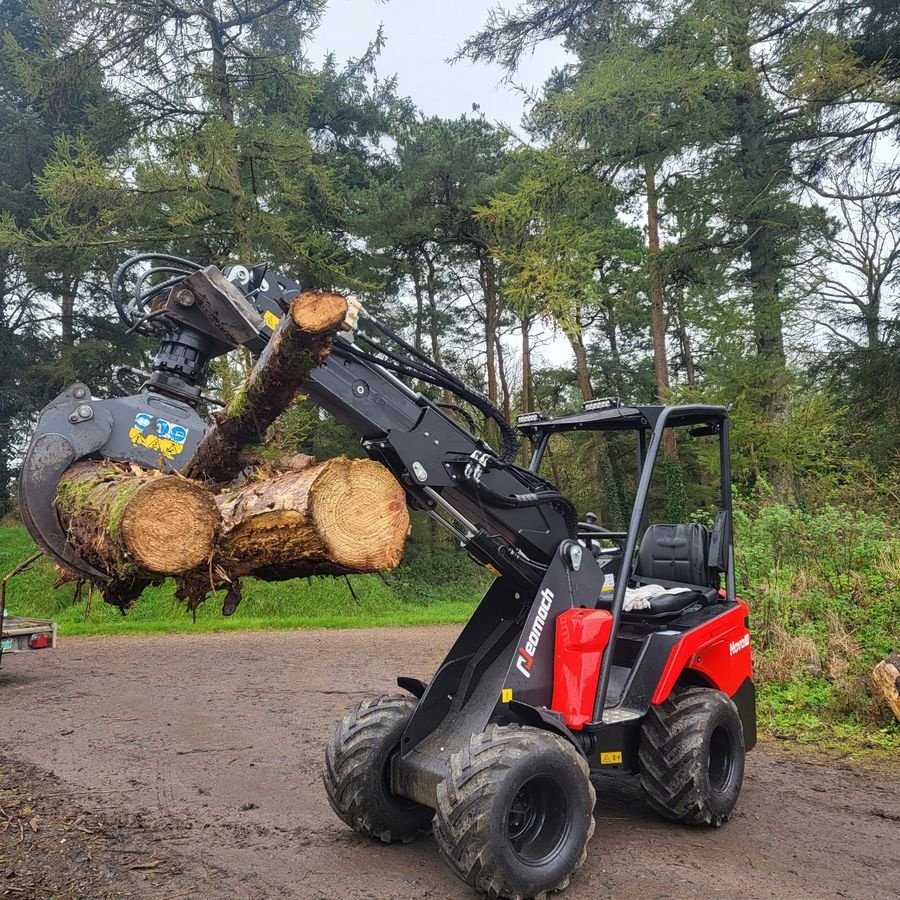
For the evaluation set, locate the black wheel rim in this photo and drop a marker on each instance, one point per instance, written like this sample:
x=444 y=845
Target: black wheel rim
x=538 y=820
x=721 y=759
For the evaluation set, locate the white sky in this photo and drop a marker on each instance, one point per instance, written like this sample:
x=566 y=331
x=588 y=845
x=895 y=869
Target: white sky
x=421 y=36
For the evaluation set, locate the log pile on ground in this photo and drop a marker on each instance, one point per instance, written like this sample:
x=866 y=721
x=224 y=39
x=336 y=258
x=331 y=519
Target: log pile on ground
x=220 y=520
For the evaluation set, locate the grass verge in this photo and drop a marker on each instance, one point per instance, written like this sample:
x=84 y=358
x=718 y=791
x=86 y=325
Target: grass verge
x=301 y=603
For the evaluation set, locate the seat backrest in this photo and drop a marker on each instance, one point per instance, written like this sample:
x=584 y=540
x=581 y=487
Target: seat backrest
x=677 y=553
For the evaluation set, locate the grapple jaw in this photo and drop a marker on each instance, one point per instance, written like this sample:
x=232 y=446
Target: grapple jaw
x=146 y=429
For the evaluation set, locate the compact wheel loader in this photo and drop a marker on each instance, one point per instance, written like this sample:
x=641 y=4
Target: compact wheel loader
x=560 y=674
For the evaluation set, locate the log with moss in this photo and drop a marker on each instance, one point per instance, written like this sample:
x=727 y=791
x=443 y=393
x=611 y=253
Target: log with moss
x=136 y=526
x=301 y=342
x=344 y=516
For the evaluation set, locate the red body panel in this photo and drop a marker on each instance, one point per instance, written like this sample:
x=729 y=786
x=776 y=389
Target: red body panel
x=719 y=650
x=581 y=638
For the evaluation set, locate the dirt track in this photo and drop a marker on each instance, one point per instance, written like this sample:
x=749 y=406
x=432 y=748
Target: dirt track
x=200 y=757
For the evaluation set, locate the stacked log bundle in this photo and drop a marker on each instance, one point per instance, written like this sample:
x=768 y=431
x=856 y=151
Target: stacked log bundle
x=285 y=519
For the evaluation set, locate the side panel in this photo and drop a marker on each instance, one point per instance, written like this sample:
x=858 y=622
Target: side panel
x=718 y=650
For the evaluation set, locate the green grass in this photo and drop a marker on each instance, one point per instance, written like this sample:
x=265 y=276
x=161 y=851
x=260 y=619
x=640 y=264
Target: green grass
x=301 y=603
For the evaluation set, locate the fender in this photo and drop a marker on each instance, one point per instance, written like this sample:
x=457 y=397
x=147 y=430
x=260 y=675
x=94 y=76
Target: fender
x=718 y=650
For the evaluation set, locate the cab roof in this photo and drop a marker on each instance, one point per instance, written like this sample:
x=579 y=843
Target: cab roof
x=627 y=418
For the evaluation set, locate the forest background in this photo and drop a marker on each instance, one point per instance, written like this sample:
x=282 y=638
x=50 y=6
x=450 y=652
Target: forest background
x=702 y=204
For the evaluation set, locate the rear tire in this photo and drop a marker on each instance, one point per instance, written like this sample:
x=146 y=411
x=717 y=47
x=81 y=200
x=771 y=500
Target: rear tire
x=357 y=772
x=692 y=756
x=515 y=813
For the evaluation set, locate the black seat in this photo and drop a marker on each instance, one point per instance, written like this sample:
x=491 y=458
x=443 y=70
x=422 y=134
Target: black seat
x=675 y=556
x=677 y=553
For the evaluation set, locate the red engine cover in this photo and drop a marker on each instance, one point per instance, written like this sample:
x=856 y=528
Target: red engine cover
x=581 y=638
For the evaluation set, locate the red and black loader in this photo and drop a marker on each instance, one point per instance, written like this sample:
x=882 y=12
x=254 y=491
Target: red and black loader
x=555 y=678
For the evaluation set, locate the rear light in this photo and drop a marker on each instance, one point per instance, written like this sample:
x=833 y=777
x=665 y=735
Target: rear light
x=40 y=641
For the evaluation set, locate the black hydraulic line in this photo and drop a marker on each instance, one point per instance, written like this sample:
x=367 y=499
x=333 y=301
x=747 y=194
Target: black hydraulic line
x=509 y=441
x=409 y=348
x=453 y=407
x=140 y=298
x=538 y=498
x=411 y=369
x=116 y=281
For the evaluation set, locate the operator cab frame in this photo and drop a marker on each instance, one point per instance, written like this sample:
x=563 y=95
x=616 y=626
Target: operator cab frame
x=649 y=424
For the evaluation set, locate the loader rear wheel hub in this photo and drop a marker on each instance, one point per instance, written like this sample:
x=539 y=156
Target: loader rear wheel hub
x=721 y=759
x=538 y=820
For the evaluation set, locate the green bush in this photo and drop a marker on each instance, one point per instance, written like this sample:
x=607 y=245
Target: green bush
x=824 y=593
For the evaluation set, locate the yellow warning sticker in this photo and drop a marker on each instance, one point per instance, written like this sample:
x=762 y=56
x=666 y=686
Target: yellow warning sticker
x=506 y=695
x=271 y=319
x=493 y=570
x=612 y=758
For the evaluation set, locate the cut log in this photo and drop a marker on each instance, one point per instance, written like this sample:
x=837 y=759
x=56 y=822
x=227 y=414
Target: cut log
x=339 y=517
x=136 y=525
x=301 y=342
x=886 y=679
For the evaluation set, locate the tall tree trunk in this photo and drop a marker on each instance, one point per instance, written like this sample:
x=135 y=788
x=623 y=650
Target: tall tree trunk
x=491 y=316
x=612 y=336
x=609 y=472
x=219 y=66
x=684 y=342
x=420 y=308
x=504 y=381
x=431 y=290
x=762 y=170
x=224 y=102
x=657 y=301
x=581 y=367
x=527 y=388
x=67 y=325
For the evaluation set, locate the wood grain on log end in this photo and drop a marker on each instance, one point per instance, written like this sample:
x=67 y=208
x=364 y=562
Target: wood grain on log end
x=169 y=525
x=360 y=511
x=317 y=311
x=131 y=523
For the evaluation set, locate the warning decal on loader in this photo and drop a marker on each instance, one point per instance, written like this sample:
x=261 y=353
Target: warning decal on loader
x=157 y=434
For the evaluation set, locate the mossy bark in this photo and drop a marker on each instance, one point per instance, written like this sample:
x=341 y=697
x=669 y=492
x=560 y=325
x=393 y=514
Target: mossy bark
x=136 y=526
x=335 y=518
x=301 y=342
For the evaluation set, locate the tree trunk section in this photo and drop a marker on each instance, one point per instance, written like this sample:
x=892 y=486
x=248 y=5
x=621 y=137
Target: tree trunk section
x=527 y=389
x=339 y=517
x=657 y=307
x=301 y=342
x=134 y=524
x=886 y=680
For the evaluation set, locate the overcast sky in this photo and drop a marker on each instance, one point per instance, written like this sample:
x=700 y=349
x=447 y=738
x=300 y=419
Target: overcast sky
x=421 y=35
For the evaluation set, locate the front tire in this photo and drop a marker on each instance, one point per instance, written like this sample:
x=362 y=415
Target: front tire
x=515 y=813
x=692 y=756
x=357 y=772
